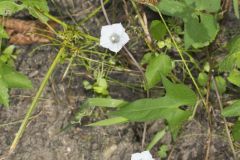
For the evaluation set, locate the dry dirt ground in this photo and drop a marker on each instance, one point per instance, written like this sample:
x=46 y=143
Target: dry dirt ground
x=43 y=139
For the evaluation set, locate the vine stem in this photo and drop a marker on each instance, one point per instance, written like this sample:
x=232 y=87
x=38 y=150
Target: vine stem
x=139 y=68
x=125 y=48
x=224 y=119
x=33 y=105
x=181 y=55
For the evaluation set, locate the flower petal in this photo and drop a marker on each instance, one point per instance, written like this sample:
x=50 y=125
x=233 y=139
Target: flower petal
x=115 y=47
x=146 y=155
x=124 y=38
x=106 y=30
x=118 y=28
x=109 y=30
x=105 y=42
x=136 y=156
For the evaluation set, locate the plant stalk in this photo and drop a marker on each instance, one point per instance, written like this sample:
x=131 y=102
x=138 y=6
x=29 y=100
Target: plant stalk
x=33 y=105
x=181 y=55
x=224 y=119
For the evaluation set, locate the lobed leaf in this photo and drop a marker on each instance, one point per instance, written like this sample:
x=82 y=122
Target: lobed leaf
x=166 y=107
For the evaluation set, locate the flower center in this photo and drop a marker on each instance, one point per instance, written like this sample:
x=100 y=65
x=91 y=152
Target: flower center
x=114 y=38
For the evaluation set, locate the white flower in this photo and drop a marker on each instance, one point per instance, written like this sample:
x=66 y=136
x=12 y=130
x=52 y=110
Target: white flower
x=146 y=155
x=113 y=37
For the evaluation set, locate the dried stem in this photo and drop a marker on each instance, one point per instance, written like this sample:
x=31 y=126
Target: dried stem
x=136 y=64
x=224 y=119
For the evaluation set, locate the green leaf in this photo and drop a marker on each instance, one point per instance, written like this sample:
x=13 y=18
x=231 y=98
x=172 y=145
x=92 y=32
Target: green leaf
x=3 y=33
x=110 y=121
x=205 y=5
x=101 y=86
x=150 y=109
x=9 y=50
x=229 y=62
x=159 y=66
x=202 y=79
x=85 y=109
x=166 y=107
x=200 y=30
x=232 y=60
x=36 y=8
x=9 y=7
x=221 y=84
x=163 y=151
x=157 y=30
x=9 y=78
x=12 y=78
x=4 y=97
x=234 y=77
x=6 y=57
x=234 y=45
x=106 y=102
x=147 y=58
x=236 y=131
x=236 y=8
x=175 y=119
x=180 y=93
x=232 y=110
x=156 y=139
x=179 y=10
x=200 y=27
x=87 y=85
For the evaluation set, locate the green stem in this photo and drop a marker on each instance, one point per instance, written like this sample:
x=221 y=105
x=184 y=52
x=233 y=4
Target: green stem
x=64 y=25
x=35 y=101
x=89 y=37
x=181 y=55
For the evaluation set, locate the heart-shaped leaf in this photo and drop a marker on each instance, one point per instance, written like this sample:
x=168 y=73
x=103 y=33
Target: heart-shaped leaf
x=200 y=23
